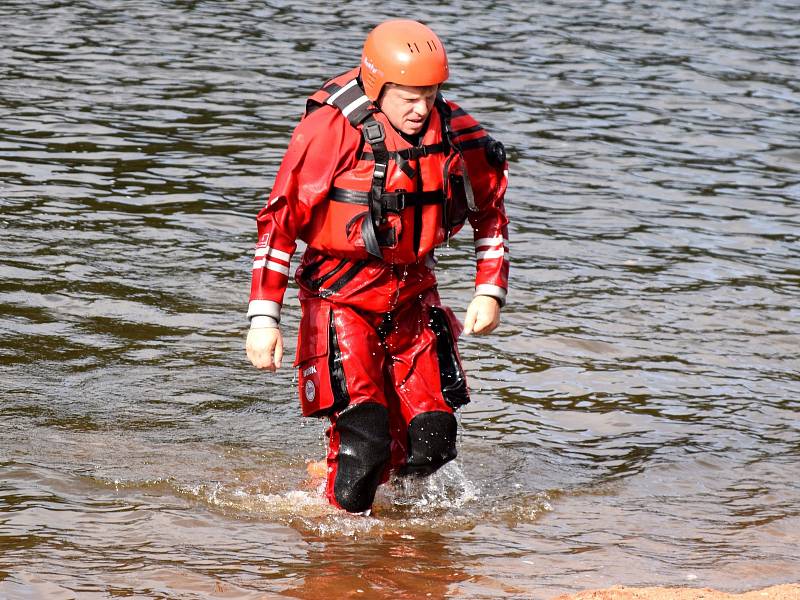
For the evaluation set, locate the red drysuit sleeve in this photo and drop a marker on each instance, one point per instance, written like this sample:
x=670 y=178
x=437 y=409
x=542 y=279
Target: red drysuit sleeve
x=489 y=223
x=322 y=145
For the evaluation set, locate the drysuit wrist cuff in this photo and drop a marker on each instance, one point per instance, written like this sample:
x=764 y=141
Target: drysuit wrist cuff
x=494 y=291
x=263 y=322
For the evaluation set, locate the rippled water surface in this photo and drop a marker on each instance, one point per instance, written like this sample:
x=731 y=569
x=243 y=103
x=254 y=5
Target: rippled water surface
x=634 y=420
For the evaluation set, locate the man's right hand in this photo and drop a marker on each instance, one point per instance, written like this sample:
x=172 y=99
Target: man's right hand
x=265 y=347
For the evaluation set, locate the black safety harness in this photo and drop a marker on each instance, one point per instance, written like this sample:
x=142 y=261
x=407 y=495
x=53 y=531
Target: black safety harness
x=351 y=101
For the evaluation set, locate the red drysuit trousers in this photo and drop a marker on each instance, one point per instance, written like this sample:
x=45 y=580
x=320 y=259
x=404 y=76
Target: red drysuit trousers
x=389 y=382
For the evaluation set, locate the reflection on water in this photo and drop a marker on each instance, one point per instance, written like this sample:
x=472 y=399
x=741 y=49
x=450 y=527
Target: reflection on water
x=634 y=419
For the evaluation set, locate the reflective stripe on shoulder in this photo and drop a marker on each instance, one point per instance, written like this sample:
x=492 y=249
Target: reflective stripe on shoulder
x=349 y=100
x=333 y=97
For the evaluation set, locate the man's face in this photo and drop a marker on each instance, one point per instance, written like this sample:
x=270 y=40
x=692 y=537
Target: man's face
x=407 y=107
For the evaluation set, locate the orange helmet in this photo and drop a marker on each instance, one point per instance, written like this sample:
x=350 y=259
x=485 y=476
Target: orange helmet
x=404 y=52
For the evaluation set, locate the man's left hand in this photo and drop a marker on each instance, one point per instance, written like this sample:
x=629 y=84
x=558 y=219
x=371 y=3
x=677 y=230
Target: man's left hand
x=483 y=315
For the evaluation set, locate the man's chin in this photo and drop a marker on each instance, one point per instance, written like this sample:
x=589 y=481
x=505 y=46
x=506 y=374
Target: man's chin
x=412 y=128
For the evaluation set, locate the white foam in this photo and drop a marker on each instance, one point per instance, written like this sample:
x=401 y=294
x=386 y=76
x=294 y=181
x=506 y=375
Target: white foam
x=448 y=488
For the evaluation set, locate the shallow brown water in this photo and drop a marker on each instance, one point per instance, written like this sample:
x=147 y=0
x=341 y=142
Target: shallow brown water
x=634 y=421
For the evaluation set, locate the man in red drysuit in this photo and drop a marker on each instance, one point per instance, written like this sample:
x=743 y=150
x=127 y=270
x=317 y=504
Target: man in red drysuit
x=380 y=171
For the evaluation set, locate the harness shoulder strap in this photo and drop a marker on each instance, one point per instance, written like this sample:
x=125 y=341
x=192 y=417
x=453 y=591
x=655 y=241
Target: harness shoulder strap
x=352 y=102
x=375 y=136
x=349 y=98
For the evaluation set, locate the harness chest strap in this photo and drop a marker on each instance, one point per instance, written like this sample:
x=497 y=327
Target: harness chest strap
x=390 y=201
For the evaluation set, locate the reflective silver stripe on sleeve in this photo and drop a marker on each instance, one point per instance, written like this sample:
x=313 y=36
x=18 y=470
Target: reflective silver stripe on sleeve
x=278 y=267
x=272 y=252
x=490 y=241
x=271 y=265
x=493 y=247
x=486 y=254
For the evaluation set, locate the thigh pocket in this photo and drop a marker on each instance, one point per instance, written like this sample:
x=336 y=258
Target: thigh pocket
x=321 y=383
x=453 y=380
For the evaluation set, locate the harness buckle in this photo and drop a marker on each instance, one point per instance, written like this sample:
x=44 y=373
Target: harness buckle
x=394 y=201
x=373 y=132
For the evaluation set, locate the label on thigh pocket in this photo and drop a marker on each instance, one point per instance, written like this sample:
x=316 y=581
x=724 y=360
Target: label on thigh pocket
x=312 y=358
x=321 y=383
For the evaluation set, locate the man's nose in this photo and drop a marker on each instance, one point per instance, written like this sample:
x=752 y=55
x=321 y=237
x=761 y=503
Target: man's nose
x=421 y=107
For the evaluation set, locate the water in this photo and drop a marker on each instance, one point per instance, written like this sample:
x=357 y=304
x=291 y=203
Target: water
x=634 y=421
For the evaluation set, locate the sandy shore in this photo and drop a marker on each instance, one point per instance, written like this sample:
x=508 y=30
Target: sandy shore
x=777 y=592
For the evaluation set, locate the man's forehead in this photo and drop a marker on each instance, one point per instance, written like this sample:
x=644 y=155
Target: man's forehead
x=415 y=90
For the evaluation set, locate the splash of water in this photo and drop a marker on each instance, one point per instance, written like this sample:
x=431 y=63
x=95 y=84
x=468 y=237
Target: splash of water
x=448 y=488
x=444 y=500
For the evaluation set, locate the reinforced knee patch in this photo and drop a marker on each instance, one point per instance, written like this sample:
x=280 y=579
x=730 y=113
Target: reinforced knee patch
x=431 y=442
x=363 y=451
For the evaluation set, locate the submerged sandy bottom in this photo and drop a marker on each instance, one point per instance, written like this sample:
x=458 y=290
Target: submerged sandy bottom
x=777 y=592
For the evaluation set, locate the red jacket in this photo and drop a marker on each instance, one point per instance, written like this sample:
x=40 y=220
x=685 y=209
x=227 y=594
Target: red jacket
x=325 y=148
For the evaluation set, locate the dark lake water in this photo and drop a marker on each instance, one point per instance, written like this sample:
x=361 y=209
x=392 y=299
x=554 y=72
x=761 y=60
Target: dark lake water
x=634 y=420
